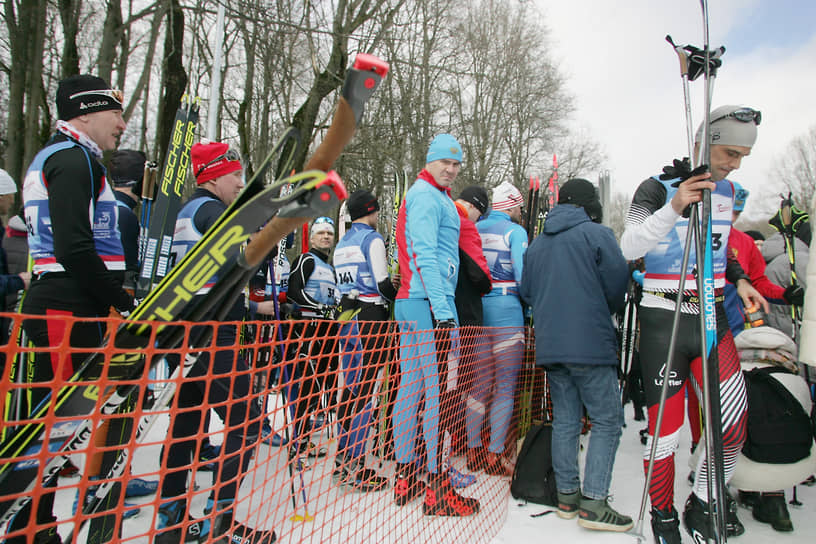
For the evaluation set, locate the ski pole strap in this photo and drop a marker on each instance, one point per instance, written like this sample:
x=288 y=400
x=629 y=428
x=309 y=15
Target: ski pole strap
x=687 y=298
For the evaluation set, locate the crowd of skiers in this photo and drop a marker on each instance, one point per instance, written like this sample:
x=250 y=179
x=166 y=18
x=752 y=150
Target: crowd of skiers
x=465 y=271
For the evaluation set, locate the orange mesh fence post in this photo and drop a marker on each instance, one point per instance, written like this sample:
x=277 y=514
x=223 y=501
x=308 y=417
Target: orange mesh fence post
x=330 y=475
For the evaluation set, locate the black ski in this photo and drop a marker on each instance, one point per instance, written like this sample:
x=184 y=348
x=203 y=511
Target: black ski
x=167 y=201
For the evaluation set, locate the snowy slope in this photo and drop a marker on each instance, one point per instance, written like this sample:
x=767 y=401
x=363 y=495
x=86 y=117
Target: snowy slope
x=627 y=487
x=351 y=518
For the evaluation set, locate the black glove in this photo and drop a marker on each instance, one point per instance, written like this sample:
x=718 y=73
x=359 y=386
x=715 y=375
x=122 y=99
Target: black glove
x=449 y=323
x=681 y=169
x=794 y=295
x=442 y=338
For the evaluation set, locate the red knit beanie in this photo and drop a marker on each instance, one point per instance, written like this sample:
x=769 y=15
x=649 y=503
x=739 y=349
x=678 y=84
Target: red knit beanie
x=210 y=161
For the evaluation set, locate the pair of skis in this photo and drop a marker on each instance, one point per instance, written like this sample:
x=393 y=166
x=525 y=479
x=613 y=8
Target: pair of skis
x=536 y=208
x=163 y=201
x=314 y=193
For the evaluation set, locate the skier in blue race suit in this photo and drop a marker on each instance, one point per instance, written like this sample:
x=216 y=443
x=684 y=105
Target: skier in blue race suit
x=428 y=244
x=79 y=263
x=362 y=279
x=498 y=357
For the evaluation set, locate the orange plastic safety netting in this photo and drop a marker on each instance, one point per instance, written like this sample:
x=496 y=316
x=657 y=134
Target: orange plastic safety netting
x=321 y=431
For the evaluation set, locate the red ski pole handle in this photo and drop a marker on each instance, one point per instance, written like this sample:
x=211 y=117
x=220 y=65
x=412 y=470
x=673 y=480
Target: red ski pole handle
x=362 y=79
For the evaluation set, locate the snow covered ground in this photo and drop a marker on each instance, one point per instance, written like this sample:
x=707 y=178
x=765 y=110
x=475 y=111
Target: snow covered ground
x=627 y=487
x=351 y=518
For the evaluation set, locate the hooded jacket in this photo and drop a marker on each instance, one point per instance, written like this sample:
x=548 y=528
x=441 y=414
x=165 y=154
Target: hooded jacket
x=574 y=278
x=778 y=271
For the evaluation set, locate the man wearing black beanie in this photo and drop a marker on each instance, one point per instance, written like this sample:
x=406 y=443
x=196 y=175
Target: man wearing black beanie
x=126 y=172
x=78 y=258
x=362 y=278
x=576 y=266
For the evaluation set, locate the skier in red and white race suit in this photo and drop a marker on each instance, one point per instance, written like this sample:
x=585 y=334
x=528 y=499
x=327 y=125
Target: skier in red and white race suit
x=656 y=229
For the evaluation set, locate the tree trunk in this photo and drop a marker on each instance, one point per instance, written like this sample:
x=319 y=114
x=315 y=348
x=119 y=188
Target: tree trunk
x=174 y=76
x=112 y=33
x=69 y=15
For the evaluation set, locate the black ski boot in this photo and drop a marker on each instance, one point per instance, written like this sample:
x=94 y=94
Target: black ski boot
x=228 y=531
x=666 y=526
x=748 y=498
x=771 y=508
x=697 y=519
x=170 y=518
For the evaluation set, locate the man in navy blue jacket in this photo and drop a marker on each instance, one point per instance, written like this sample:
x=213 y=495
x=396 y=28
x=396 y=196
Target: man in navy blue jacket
x=575 y=277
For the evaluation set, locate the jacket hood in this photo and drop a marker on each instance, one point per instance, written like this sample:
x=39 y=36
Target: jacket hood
x=774 y=246
x=564 y=217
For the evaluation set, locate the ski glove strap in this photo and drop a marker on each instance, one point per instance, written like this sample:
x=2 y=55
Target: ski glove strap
x=696 y=61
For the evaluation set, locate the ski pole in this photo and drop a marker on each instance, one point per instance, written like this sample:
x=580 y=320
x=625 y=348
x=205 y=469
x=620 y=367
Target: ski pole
x=683 y=54
x=715 y=467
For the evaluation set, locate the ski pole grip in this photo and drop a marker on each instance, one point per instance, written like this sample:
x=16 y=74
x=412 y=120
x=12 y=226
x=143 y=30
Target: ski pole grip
x=362 y=79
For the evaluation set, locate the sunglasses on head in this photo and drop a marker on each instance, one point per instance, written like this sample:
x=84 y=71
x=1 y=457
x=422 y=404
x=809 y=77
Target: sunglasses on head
x=323 y=220
x=744 y=115
x=118 y=96
x=230 y=155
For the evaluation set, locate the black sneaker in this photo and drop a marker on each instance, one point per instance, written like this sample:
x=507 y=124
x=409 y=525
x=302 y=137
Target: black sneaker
x=771 y=508
x=596 y=514
x=666 y=526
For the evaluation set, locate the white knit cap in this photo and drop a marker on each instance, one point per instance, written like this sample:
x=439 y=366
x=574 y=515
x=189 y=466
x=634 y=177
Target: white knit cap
x=506 y=196
x=7 y=185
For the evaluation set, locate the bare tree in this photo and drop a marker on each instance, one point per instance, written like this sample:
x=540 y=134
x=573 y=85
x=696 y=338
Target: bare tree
x=174 y=76
x=615 y=213
x=797 y=170
x=25 y=23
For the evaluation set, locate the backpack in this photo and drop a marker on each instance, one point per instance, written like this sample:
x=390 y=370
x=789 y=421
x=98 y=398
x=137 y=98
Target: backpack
x=533 y=477
x=778 y=430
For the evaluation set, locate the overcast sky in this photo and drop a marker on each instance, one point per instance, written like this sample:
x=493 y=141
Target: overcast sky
x=626 y=78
